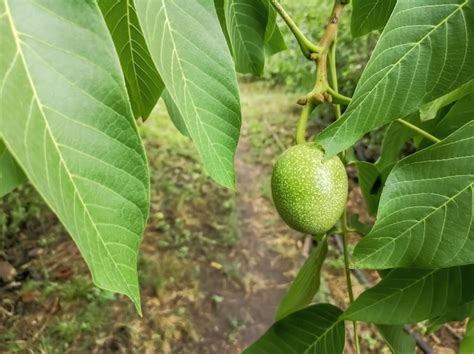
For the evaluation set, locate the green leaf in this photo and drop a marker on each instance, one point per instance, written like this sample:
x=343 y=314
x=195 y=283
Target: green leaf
x=65 y=117
x=467 y=343
x=428 y=111
x=370 y=15
x=413 y=295
x=274 y=41
x=11 y=175
x=399 y=341
x=246 y=24
x=426 y=209
x=315 y=329
x=144 y=84
x=306 y=284
x=424 y=53
x=370 y=183
x=192 y=57
x=175 y=114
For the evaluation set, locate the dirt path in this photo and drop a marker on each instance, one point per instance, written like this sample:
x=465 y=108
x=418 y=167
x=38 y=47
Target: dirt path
x=248 y=306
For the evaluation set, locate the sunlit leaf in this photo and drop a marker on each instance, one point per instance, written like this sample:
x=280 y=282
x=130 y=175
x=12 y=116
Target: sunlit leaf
x=65 y=117
x=192 y=57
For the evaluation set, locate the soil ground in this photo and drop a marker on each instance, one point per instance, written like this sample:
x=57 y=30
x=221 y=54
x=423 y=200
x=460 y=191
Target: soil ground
x=213 y=264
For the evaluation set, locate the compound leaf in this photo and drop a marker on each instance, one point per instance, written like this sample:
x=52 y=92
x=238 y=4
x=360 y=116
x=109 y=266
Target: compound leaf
x=192 y=57
x=144 y=84
x=413 y=295
x=315 y=329
x=370 y=15
x=424 y=53
x=65 y=117
x=425 y=218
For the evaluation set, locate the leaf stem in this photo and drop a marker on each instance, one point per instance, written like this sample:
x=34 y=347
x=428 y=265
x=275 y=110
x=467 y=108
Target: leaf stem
x=345 y=230
x=339 y=98
x=303 y=121
x=307 y=47
x=333 y=72
x=420 y=131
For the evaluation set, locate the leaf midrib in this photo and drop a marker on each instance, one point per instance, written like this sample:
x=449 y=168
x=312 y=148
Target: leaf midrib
x=40 y=107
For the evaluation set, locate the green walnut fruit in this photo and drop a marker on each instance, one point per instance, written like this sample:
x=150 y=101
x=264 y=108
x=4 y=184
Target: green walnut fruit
x=309 y=193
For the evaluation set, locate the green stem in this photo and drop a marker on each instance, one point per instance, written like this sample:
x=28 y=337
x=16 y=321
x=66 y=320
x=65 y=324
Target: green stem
x=333 y=72
x=339 y=98
x=348 y=274
x=303 y=121
x=307 y=47
x=420 y=131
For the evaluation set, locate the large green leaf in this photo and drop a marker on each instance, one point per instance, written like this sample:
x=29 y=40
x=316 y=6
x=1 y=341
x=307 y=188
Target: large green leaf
x=467 y=343
x=399 y=341
x=426 y=209
x=315 y=329
x=65 y=117
x=412 y=295
x=11 y=175
x=144 y=84
x=192 y=57
x=423 y=53
x=306 y=283
x=370 y=15
x=246 y=24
